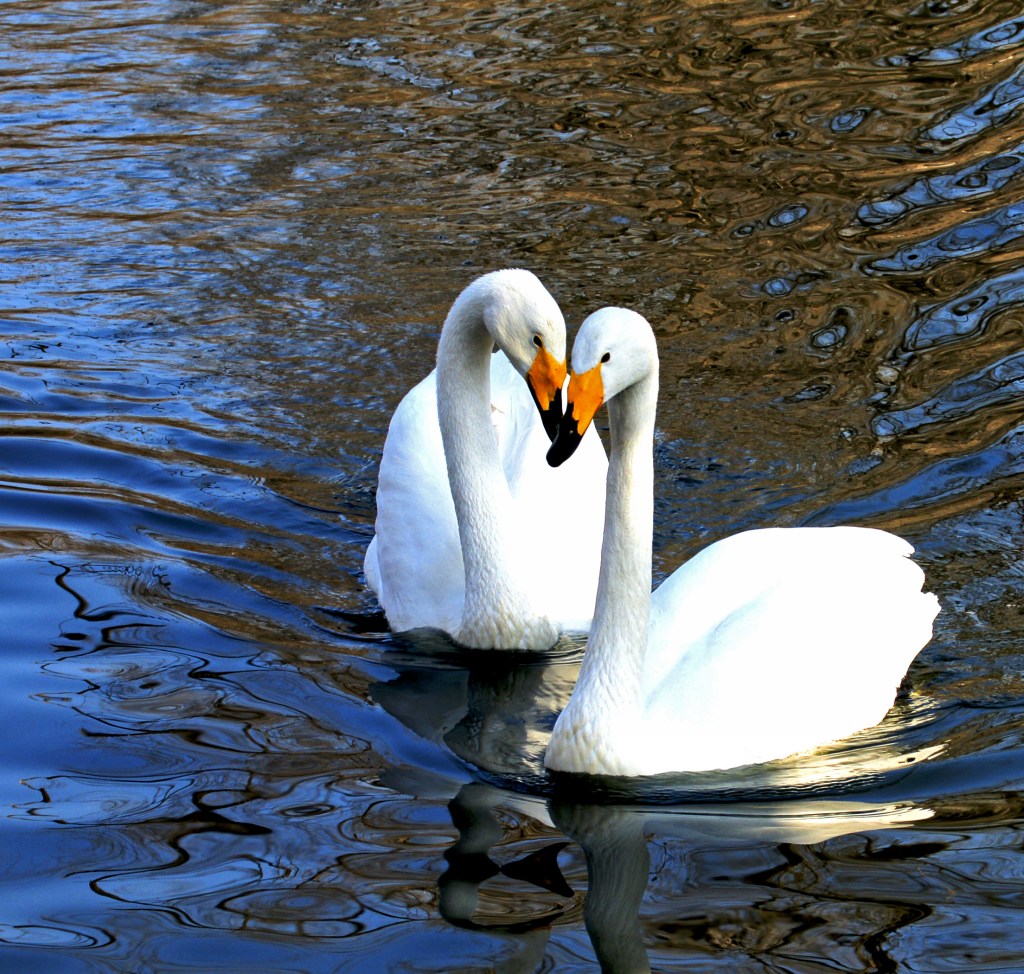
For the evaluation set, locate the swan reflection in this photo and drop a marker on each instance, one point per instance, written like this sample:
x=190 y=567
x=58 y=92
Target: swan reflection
x=534 y=852
x=615 y=842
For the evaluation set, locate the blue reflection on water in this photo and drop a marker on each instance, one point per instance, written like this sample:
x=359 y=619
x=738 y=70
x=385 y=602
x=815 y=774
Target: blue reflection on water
x=991 y=108
x=972 y=237
x=976 y=179
x=967 y=314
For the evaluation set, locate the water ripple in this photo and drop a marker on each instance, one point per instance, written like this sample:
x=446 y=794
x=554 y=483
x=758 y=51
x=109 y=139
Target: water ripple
x=1001 y=383
x=994 y=107
x=976 y=179
x=967 y=314
x=1005 y=35
x=969 y=238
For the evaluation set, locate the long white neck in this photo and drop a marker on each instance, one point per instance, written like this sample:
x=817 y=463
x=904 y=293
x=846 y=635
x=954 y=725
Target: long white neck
x=496 y=611
x=609 y=684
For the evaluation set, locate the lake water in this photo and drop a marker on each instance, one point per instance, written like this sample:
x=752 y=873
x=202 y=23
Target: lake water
x=230 y=233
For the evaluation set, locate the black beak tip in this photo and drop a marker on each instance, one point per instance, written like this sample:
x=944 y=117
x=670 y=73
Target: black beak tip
x=550 y=422
x=565 y=443
x=551 y=418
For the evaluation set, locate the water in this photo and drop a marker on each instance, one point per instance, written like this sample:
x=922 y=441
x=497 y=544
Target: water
x=230 y=233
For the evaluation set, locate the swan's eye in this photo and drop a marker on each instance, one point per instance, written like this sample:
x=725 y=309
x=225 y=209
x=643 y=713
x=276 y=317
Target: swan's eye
x=537 y=341
x=606 y=357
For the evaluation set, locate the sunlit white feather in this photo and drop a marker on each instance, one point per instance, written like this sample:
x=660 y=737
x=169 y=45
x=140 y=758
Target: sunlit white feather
x=768 y=643
x=520 y=515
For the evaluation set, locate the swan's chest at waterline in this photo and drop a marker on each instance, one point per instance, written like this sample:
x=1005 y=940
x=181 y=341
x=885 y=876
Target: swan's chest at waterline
x=508 y=626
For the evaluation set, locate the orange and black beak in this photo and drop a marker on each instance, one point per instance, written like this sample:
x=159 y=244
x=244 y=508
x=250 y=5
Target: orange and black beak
x=545 y=380
x=586 y=393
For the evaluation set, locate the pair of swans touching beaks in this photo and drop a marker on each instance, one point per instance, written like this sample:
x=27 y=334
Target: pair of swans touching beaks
x=765 y=644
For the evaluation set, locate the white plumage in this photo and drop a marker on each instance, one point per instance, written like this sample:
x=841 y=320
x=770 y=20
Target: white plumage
x=765 y=644
x=463 y=482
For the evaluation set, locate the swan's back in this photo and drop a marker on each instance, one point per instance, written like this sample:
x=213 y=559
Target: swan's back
x=776 y=641
x=414 y=562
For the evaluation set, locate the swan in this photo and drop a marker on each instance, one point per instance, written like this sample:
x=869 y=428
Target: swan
x=765 y=644
x=470 y=518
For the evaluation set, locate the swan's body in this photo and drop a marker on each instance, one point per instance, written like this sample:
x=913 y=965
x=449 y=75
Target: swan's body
x=469 y=515
x=766 y=644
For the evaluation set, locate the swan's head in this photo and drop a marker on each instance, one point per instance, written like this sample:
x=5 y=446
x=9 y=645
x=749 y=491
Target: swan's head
x=615 y=349
x=527 y=325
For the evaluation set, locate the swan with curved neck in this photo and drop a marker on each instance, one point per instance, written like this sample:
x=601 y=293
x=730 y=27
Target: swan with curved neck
x=766 y=644
x=468 y=513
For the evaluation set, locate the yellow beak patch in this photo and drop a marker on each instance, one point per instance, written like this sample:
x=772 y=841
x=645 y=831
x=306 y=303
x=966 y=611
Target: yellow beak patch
x=545 y=377
x=585 y=395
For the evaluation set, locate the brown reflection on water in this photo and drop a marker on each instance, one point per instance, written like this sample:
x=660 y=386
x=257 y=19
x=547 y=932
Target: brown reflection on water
x=710 y=167
x=313 y=187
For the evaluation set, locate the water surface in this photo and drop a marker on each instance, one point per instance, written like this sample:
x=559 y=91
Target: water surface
x=230 y=234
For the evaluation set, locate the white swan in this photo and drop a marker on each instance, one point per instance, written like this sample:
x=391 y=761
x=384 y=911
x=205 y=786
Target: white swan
x=766 y=644
x=470 y=519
